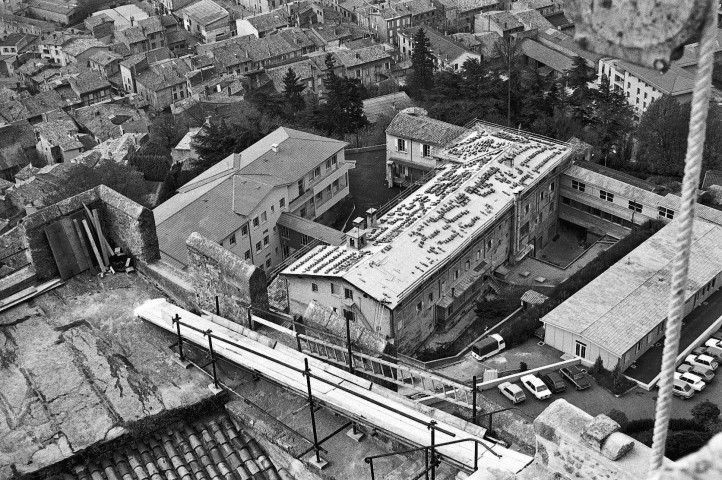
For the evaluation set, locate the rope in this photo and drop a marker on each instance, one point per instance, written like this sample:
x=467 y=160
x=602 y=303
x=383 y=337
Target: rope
x=692 y=169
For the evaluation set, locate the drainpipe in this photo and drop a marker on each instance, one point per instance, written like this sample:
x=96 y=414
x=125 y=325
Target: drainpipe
x=513 y=237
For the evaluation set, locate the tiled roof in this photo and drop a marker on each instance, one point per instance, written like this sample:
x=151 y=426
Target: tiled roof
x=617 y=175
x=131 y=35
x=76 y=46
x=532 y=19
x=534 y=297
x=205 y=12
x=675 y=81
x=164 y=74
x=628 y=300
x=565 y=44
x=97 y=19
x=361 y=56
x=151 y=25
x=103 y=57
x=388 y=105
x=424 y=129
x=88 y=81
x=214 y=448
x=105 y=120
x=266 y=22
x=504 y=19
x=61 y=133
x=712 y=177
x=543 y=54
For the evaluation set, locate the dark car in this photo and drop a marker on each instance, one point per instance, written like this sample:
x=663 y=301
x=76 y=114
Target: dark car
x=554 y=382
x=575 y=375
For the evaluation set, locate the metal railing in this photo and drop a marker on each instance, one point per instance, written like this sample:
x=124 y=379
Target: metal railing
x=305 y=371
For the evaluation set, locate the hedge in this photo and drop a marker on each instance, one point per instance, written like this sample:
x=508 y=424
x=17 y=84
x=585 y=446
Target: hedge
x=522 y=327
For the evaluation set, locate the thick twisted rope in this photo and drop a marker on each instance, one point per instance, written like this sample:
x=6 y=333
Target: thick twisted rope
x=685 y=219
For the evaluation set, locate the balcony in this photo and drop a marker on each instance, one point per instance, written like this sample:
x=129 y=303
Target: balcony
x=298 y=201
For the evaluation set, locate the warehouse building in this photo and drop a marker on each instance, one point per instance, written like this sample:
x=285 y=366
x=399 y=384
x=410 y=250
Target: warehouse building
x=621 y=313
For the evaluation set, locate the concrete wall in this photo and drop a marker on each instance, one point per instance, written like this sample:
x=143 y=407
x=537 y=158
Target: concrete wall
x=217 y=273
x=124 y=222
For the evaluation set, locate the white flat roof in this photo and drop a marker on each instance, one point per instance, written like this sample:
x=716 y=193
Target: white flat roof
x=628 y=300
x=441 y=218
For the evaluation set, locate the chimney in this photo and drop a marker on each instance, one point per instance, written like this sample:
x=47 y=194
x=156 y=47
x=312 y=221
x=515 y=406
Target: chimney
x=371 y=220
x=132 y=21
x=236 y=161
x=359 y=222
x=274 y=147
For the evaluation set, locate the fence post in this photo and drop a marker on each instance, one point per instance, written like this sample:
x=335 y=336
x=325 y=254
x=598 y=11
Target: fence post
x=432 y=427
x=218 y=307
x=209 y=334
x=473 y=400
x=176 y=320
x=249 y=313
x=307 y=372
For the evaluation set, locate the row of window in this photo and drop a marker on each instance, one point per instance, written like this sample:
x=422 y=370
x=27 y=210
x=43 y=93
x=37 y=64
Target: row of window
x=597 y=212
x=401 y=146
x=634 y=206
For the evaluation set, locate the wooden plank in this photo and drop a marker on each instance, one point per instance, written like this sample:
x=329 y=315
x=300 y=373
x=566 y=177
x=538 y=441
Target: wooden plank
x=14 y=297
x=62 y=251
x=104 y=240
x=83 y=243
x=37 y=291
x=74 y=241
x=101 y=240
x=95 y=248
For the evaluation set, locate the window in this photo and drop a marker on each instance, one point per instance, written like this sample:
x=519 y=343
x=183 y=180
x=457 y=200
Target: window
x=425 y=150
x=264 y=218
x=419 y=306
x=282 y=203
x=317 y=172
x=244 y=230
x=578 y=185
x=348 y=293
x=335 y=185
x=541 y=195
x=637 y=207
x=258 y=247
x=456 y=275
x=314 y=287
x=551 y=187
x=526 y=208
x=301 y=189
x=255 y=222
x=284 y=231
x=273 y=208
x=268 y=263
x=328 y=164
x=468 y=264
x=232 y=240
x=401 y=145
x=349 y=315
x=639 y=345
x=580 y=349
x=302 y=212
x=334 y=160
x=431 y=296
x=319 y=197
x=305 y=239
x=328 y=190
x=606 y=196
x=265 y=241
x=666 y=213
x=333 y=289
x=247 y=255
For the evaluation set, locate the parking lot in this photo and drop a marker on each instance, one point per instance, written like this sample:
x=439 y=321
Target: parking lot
x=636 y=404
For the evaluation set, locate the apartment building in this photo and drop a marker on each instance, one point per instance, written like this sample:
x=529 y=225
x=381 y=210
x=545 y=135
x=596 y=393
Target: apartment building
x=411 y=141
x=416 y=268
x=206 y=19
x=448 y=54
x=239 y=201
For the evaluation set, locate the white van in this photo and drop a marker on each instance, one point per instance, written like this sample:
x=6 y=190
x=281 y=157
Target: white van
x=487 y=347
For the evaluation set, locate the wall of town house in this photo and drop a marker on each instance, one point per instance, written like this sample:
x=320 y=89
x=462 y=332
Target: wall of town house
x=537 y=211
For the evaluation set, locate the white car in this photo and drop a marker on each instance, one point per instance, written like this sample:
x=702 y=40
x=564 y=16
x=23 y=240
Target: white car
x=536 y=387
x=713 y=342
x=703 y=360
x=512 y=392
x=692 y=380
x=706 y=374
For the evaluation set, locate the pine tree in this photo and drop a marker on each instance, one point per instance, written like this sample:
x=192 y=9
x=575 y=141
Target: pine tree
x=612 y=120
x=422 y=63
x=293 y=92
x=343 y=111
x=578 y=79
x=662 y=136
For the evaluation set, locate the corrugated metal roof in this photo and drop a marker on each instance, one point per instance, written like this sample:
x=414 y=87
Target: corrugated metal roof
x=388 y=105
x=712 y=177
x=534 y=297
x=311 y=228
x=536 y=51
x=623 y=304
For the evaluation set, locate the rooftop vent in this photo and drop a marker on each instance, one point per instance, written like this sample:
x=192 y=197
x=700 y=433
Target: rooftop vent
x=274 y=147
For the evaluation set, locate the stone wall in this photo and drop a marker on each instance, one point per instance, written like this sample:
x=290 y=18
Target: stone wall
x=219 y=274
x=125 y=224
x=570 y=443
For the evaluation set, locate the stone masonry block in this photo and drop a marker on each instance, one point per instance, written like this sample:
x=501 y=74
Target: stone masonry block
x=617 y=445
x=598 y=430
x=75 y=203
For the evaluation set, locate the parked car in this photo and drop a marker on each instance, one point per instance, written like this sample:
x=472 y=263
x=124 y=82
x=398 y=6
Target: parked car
x=705 y=374
x=487 y=347
x=575 y=375
x=709 y=351
x=554 y=382
x=692 y=380
x=714 y=349
x=713 y=342
x=682 y=389
x=512 y=392
x=703 y=360
x=536 y=387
